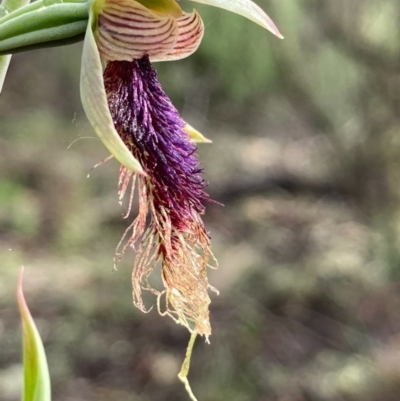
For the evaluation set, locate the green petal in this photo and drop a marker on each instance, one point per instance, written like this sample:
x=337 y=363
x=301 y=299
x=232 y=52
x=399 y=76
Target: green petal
x=8 y=5
x=195 y=135
x=247 y=9
x=94 y=101
x=36 y=372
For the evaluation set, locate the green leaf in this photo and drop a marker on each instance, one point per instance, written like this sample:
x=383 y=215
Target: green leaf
x=57 y=15
x=8 y=6
x=37 y=25
x=36 y=5
x=36 y=373
x=43 y=38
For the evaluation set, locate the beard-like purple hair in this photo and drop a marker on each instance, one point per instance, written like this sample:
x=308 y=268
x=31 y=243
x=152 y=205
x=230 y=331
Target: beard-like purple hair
x=171 y=194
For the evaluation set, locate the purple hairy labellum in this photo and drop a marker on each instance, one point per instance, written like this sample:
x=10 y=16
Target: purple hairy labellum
x=171 y=192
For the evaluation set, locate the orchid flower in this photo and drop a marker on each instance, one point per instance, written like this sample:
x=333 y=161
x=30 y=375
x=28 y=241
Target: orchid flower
x=134 y=118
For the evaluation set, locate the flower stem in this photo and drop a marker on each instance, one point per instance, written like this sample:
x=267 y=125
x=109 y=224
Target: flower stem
x=182 y=375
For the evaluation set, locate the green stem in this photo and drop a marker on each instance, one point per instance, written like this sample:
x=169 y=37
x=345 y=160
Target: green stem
x=51 y=43
x=8 y=5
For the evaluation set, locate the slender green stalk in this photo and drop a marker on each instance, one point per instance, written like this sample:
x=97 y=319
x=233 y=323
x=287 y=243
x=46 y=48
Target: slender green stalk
x=57 y=15
x=57 y=42
x=32 y=7
x=36 y=25
x=9 y=6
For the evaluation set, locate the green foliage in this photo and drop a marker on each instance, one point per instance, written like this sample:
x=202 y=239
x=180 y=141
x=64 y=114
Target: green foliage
x=6 y=7
x=305 y=158
x=40 y=24
x=36 y=373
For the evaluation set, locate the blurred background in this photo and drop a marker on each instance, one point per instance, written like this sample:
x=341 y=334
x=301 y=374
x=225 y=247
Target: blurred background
x=305 y=158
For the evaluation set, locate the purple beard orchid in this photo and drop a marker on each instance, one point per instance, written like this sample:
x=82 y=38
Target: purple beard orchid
x=141 y=128
x=171 y=192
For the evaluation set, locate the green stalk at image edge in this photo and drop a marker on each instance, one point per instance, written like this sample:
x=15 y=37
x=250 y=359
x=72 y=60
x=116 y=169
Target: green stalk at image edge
x=9 y=6
x=36 y=372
